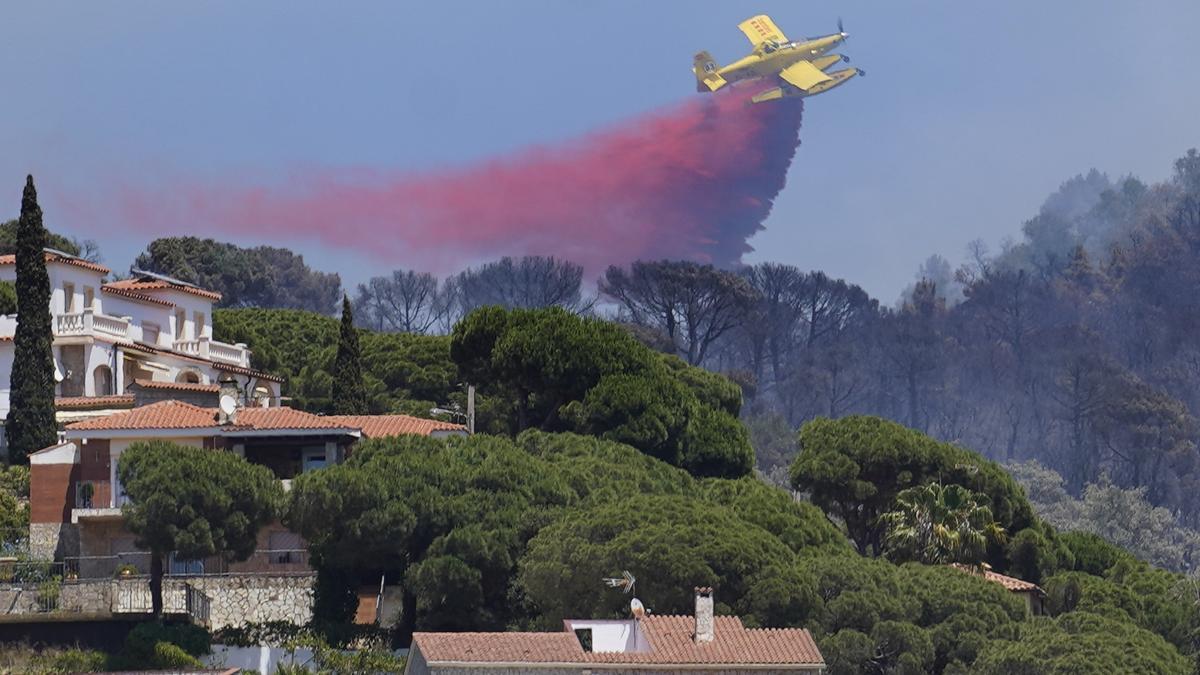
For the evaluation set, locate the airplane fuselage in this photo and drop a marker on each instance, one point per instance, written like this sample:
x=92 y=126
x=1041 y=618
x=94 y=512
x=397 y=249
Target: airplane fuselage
x=768 y=61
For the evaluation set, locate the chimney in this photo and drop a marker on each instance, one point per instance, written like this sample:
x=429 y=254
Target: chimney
x=704 y=615
x=228 y=402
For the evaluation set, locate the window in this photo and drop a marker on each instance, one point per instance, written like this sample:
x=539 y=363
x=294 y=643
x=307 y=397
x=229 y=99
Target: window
x=314 y=458
x=102 y=381
x=150 y=333
x=180 y=320
x=198 y=319
x=68 y=298
x=89 y=297
x=182 y=566
x=285 y=548
x=584 y=635
x=188 y=377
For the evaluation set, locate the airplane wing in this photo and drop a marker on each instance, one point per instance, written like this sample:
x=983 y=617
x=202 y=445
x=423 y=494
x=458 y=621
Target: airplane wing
x=760 y=29
x=803 y=75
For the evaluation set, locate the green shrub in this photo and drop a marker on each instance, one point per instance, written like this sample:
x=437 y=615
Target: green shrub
x=71 y=661
x=167 y=655
x=144 y=645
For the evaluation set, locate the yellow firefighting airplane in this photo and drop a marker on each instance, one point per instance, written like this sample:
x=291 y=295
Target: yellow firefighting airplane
x=801 y=66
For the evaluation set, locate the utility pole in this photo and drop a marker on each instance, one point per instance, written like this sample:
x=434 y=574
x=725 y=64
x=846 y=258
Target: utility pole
x=470 y=409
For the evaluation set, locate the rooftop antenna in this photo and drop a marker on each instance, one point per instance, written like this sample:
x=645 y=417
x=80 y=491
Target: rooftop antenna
x=624 y=582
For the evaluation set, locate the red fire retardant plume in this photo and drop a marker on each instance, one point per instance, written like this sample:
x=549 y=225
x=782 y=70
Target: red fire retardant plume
x=694 y=181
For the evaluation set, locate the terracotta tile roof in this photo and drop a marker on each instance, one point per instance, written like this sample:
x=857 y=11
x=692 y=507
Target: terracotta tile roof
x=558 y=647
x=134 y=295
x=142 y=285
x=670 y=639
x=1011 y=583
x=161 y=415
x=378 y=426
x=176 y=415
x=90 y=402
x=286 y=418
x=178 y=386
x=239 y=370
x=54 y=256
x=671 y=642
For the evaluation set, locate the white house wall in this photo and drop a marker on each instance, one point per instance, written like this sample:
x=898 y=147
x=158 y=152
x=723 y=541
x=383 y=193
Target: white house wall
x=141 y=313
x=60 y=275
x=6 y=362
x=99 y=352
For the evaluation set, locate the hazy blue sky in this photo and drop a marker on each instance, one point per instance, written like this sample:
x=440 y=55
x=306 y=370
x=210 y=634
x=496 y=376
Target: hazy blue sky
x=971 y=114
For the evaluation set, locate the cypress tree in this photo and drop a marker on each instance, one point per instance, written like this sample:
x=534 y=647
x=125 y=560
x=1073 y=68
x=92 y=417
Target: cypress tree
x=31 y=425
x=349 y=390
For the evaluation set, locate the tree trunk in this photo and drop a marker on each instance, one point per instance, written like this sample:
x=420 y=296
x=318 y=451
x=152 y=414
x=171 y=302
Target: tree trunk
x=156 y=577
x=408 y=618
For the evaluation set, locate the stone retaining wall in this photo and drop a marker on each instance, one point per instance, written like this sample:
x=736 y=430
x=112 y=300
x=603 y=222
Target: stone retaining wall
x=235 y=600
x=232 y=600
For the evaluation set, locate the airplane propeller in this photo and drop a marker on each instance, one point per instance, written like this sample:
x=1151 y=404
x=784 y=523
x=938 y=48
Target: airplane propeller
x=842 y=30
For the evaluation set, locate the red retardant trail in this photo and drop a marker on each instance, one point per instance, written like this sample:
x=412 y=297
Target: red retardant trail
x=693 y=181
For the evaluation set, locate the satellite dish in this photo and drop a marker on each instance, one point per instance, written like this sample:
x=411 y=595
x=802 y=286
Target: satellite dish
x=58 y=374
x=228 y=405
x=637 y=608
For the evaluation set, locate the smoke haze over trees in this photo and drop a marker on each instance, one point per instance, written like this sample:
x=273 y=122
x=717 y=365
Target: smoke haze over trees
x=1076 y=345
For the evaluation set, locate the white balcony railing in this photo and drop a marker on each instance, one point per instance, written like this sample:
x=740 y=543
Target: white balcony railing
x=88 y=322
x=221 y=352
x=115 y=326
x=189 y=347
x=238 y=355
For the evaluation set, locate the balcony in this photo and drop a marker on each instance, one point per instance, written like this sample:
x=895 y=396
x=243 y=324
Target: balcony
x=89 y=323
x=94 y=501
x=212 y=350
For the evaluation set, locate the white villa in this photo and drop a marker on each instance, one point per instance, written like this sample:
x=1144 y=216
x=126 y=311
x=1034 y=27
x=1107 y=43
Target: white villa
x=109 y=335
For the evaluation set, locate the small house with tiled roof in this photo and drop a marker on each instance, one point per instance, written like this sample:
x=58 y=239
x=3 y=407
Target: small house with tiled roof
x=702 y=643
x=76 y=494
x=109 y=335
x=1031 y=593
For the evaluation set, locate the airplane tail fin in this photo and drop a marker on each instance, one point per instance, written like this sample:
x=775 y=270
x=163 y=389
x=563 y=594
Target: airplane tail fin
x=707 y=78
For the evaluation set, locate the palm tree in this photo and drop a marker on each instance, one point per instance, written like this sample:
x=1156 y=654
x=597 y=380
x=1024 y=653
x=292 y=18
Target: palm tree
x=939 y=524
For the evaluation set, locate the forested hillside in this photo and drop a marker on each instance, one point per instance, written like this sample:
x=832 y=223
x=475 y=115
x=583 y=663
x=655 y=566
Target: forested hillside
x=1064 y=358
x=490 y=533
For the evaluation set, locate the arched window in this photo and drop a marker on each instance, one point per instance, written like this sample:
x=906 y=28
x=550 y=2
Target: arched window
x=188 y=377
x=102 y=381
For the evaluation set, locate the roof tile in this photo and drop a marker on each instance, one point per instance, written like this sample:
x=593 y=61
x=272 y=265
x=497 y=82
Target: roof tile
x=178 y=386
x=88 y=402
x=174 y=415
x=378 y=426
x=134 y=295
x=143 y=285
x=559 y=647
x=670 y=639
x=54 y=256
x=1011 y=583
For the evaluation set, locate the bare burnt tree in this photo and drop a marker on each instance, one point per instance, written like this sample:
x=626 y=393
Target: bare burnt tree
x=694 y=305
x=404 y=302
x=530 y=282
